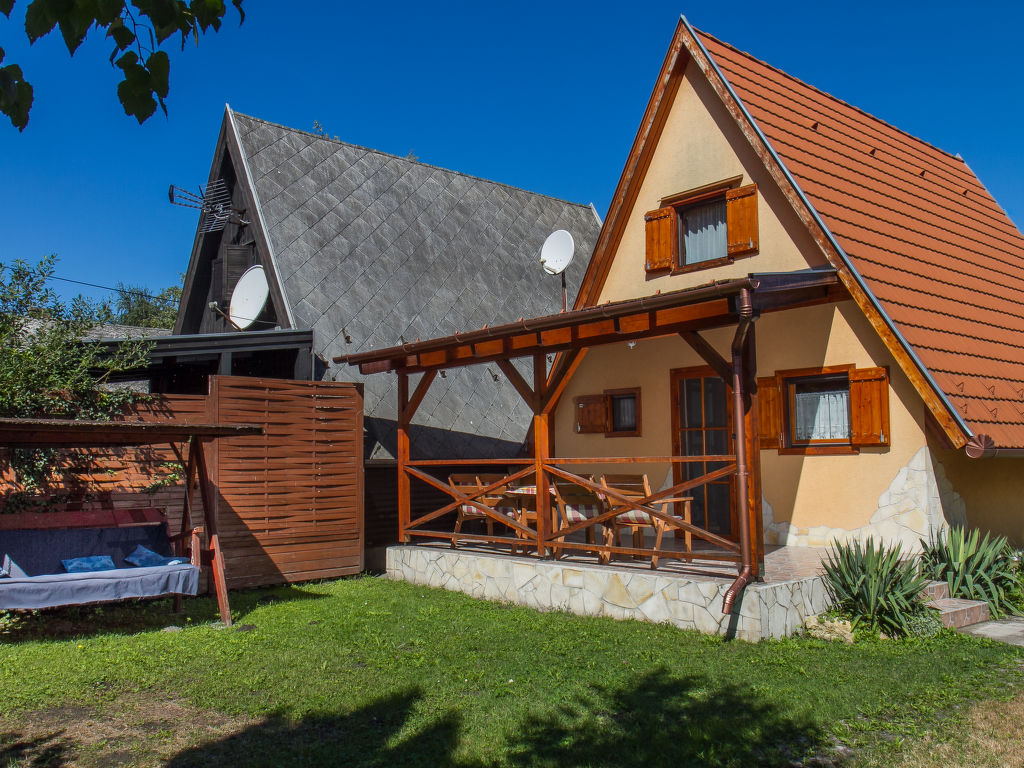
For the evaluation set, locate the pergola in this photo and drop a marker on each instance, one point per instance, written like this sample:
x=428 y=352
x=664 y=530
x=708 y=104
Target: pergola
x=570 y=335
x=67 y=433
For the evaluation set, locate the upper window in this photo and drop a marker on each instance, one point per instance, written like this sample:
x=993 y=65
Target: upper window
x=702 y=229
x=838 y=409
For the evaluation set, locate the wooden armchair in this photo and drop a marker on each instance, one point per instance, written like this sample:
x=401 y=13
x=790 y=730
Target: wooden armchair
x=637 y=487
x=470 y=484
x=576 y=504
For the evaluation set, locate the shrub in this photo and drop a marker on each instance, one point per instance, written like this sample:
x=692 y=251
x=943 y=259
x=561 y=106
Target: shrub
x=878 y=587
x=974 y=567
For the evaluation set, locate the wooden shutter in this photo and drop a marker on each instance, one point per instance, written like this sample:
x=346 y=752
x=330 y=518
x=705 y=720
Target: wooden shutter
x=769 y=413
x=592 y=414
x=869 y=407
x=237 y=259
x=217 y=280
x=741 y=219
x=662 y=239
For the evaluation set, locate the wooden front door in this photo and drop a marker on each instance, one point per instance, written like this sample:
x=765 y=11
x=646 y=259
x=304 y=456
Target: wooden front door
x=702 y=425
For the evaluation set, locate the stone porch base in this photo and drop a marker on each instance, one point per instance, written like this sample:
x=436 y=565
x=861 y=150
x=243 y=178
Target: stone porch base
x=775 y=609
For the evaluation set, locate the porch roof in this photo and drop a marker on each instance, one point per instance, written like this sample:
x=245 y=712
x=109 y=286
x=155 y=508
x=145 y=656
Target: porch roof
x=661 y=314
x=71 y=433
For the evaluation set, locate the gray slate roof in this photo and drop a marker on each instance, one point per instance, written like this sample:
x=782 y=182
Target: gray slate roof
x=380 y=248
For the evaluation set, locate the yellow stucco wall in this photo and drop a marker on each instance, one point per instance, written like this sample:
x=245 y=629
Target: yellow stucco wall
x=992 y=490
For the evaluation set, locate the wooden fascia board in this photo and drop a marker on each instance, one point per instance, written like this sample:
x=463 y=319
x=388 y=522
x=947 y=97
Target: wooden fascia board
x=634 y=172
x=234 y=147
x=882 y=324
x=193 y=262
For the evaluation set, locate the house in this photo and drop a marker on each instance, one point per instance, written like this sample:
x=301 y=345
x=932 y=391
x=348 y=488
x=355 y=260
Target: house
x=796 y=314
x=369 y=250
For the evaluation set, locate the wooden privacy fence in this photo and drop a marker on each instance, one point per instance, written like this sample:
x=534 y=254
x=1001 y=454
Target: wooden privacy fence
x=289 y=502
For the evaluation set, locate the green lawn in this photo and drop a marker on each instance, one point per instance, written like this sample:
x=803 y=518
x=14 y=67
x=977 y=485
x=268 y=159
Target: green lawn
x=366 y=672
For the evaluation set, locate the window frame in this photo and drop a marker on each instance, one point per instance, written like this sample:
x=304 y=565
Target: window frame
x=786 y=381
x=610 y=394
x=689 y=201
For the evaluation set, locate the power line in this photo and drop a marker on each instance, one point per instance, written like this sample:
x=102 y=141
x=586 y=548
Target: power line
x=133 y=291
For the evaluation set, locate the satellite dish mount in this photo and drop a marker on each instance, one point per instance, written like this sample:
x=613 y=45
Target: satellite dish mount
x=555 y=255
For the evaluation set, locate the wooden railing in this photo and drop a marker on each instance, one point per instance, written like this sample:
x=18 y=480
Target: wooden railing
x=550 y=536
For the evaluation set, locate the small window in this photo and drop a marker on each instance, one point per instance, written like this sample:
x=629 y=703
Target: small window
x=819 y=409
x=615 y=413
x=839 y=409
x=701 y=229
x=702 y=233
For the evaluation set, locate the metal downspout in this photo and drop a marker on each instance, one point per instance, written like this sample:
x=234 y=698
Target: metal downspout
x=746 y=574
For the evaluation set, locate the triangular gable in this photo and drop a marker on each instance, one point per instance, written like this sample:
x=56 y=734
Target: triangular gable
x=229 y=163
x=908 y=343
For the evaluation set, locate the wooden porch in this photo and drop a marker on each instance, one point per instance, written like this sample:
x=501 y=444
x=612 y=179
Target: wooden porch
x=664 y=532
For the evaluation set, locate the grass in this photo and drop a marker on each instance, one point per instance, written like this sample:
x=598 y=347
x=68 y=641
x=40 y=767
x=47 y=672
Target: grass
x=367 y=672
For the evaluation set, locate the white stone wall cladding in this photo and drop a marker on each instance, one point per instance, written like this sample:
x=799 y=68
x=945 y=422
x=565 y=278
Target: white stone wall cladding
x=765 y=610
x=919 y=502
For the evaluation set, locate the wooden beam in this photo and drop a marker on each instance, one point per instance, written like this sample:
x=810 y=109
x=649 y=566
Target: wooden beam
x=560 y=378
x=210 y=515
x=419 y=394
x=402 y=457
x=708 y=354
x=519 y=383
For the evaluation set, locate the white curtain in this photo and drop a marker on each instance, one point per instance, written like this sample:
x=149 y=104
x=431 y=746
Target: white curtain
x=822 y=415
x=704 y=233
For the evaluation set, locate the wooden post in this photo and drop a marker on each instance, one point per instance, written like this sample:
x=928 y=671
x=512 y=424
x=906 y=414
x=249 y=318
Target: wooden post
x=210 y=515
x=541 y=450
x=404 y=487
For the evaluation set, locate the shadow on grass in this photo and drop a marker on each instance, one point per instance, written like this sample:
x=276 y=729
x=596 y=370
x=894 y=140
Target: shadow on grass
x=49 y=751
x=656 y=721
x=364 y=738
x=669 y=721
x=131 y=616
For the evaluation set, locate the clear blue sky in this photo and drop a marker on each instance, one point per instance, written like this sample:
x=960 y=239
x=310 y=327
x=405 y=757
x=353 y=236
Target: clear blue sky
x=541 y=96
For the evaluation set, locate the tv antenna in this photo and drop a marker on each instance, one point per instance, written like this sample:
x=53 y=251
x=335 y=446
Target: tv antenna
x=214 y=203
x=555 y=255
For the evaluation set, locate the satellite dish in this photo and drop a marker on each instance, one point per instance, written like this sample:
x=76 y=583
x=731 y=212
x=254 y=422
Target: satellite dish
x=249 y=297
x=556 y=254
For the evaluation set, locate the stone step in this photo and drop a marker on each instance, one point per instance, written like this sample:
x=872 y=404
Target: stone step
x=957 y=613
x=936 y=590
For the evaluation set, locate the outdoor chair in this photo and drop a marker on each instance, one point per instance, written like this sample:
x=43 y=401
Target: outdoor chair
x=576 y=504
x=636 y=487
x=470 y=484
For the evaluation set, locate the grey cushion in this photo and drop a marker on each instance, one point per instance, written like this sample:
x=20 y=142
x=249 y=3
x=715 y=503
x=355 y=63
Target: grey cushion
x=56 y=589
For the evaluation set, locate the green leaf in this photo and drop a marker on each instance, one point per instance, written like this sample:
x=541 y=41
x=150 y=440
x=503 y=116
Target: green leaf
x=16 y=94
x=40 y=18
x=123 y=37
x=5 y=8
x=159 y=66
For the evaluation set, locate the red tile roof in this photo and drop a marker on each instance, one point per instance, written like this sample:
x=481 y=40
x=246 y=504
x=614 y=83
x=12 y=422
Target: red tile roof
x=943 y=259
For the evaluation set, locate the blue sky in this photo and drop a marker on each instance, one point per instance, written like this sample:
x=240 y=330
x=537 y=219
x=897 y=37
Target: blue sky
x=540 y=96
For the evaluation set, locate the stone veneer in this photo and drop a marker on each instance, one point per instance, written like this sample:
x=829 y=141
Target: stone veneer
x=764 y=610
x=919 y=502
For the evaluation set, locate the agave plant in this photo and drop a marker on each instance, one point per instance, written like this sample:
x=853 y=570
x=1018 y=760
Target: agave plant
x=974 y=567
x=875 y=584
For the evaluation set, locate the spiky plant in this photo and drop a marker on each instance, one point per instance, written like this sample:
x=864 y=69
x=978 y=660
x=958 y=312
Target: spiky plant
x=875 y=584
x=974 y=567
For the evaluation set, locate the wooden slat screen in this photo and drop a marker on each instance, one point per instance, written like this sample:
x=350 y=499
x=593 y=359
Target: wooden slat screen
x=869 y=407
x=741 y=219
x=662 y=228
x=290 y=501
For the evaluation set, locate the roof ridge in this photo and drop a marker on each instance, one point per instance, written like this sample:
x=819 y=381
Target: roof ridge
x=836 y=99
x=408 y=160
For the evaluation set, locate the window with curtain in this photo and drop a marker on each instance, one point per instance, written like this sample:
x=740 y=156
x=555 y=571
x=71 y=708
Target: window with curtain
x=623 y=413
x=703 y=233
x=820 y=410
